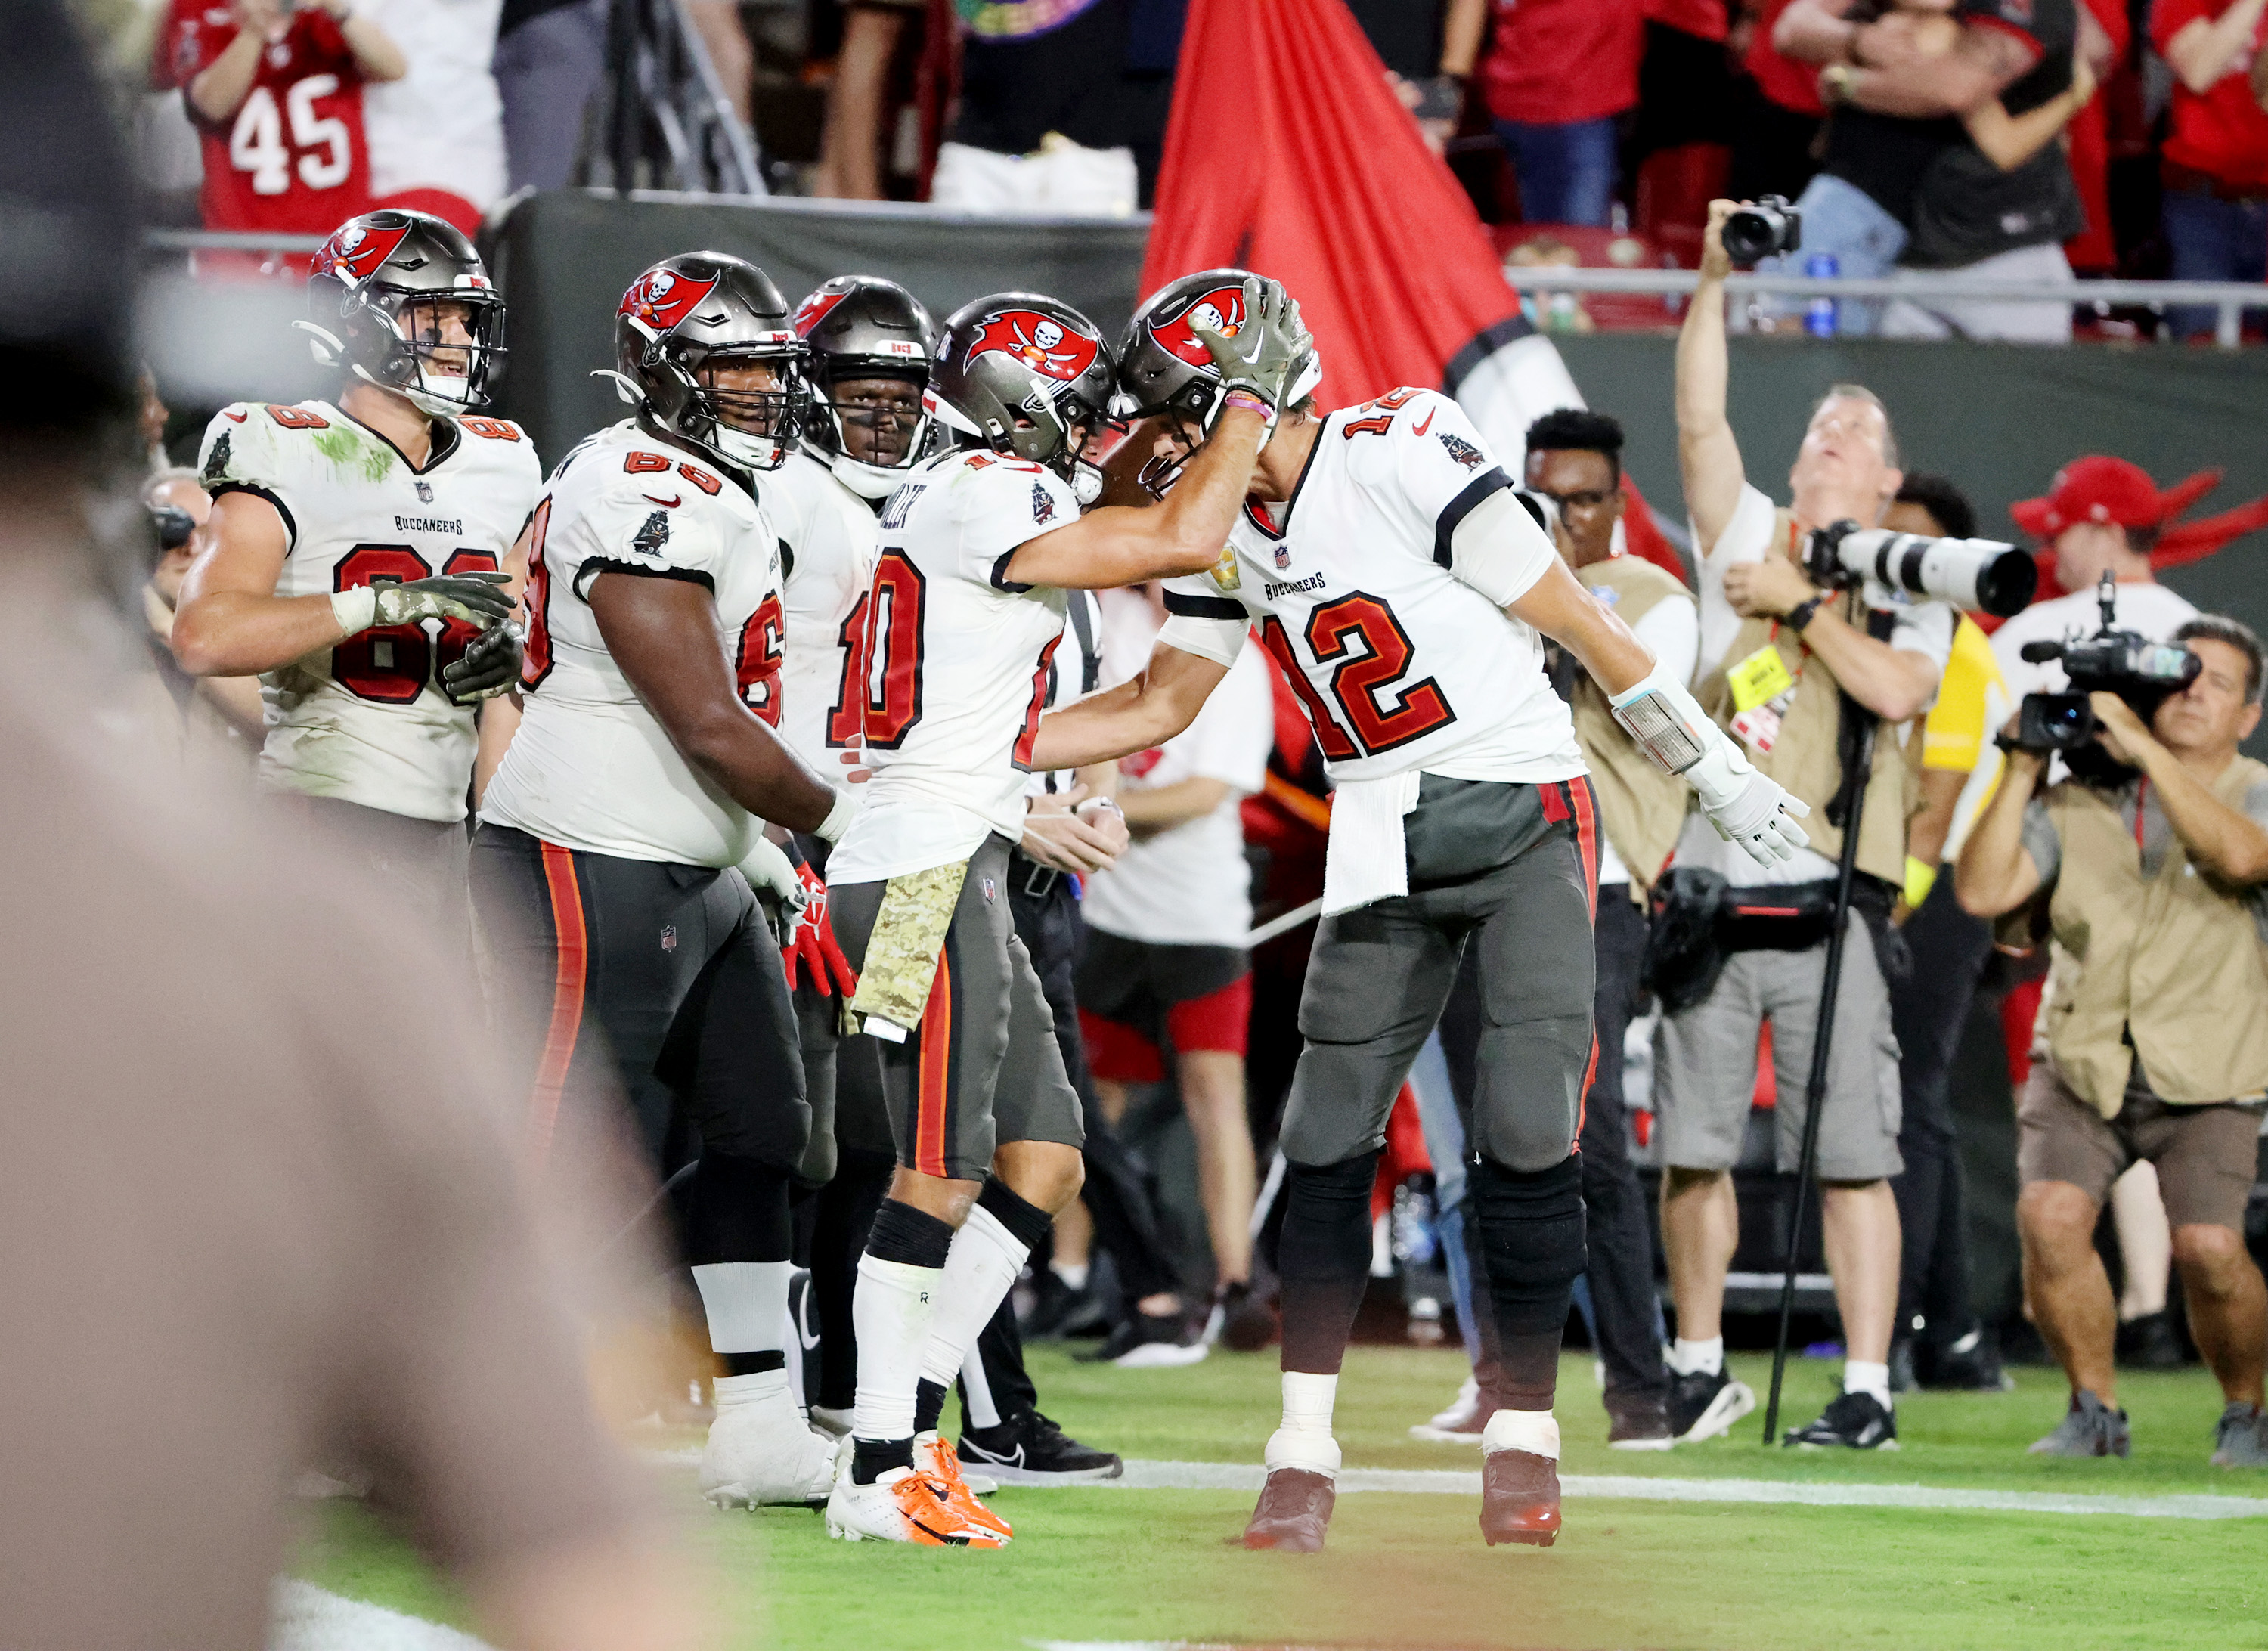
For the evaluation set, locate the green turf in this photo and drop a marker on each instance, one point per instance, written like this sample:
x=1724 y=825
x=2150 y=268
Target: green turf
x=1409 y=1571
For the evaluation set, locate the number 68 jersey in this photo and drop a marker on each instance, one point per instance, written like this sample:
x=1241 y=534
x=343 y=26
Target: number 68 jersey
x=1399 y=663
x=365 y=721
x=591 y=768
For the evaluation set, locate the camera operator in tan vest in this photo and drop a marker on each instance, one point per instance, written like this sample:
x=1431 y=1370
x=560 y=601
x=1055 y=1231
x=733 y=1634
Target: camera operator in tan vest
x=1778 y=654
x=2155 y=1024
x=1574 y=460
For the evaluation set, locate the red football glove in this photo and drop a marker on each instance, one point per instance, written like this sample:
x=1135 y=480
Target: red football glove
x=815 y=945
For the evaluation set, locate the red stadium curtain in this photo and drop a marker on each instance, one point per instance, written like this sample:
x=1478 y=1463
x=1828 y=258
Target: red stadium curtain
x=1288 y=153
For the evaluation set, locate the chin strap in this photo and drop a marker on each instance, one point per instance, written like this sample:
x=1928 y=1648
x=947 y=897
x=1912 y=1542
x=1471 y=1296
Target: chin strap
x=626 y=388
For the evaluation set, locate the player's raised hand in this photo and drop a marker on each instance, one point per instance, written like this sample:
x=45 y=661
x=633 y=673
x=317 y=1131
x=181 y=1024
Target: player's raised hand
x=1266 y=349
x=490 y=667
x=477 y=598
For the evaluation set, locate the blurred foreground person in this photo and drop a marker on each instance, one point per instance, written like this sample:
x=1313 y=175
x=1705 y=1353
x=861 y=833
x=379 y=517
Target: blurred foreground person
x=286 y=1215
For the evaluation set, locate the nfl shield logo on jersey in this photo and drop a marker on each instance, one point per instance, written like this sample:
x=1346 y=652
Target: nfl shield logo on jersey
x=989 y=889
x=1283 y=557
x=424 y=493
x=669 y=937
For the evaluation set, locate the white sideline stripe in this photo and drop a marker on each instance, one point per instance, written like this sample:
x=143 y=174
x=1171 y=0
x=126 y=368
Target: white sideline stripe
x=1632 y=1487
x=305 y=1617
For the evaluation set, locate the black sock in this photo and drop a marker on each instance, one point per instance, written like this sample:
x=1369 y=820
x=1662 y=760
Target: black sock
x=871 y=1458
x=752 y=1363
x=1027 y=1224
x=928 y=1404
x=903 y=1234
x=1324 y=1258
x=1532 y=1228
x=738 y=1212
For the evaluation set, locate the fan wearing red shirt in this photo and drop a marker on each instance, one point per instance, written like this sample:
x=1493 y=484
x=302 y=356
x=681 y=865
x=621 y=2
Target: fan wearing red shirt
x=2216 y=160
x=275 y=92
x=1557 y=73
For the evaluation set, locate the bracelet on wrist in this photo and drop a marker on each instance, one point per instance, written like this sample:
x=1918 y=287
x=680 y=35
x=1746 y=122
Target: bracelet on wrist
x=1801 y=614
x=1249 y=401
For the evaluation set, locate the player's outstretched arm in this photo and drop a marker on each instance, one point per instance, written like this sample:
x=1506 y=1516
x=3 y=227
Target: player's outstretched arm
x=1655 y=710
x=1132 y=716
x=1708 y=457
x=663 y=632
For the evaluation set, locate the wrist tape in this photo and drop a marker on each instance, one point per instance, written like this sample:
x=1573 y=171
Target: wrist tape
x=356 y=610
x=838 y=817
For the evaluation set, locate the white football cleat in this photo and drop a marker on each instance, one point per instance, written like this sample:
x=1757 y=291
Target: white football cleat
x=762 y=1453
x=901 y=1506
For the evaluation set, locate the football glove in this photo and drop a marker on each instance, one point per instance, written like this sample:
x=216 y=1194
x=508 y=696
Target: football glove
x=477 y=597
x=815 y=947
x=1746 y=808
x=1267 y=350
x=491 y=665
x=779 y=889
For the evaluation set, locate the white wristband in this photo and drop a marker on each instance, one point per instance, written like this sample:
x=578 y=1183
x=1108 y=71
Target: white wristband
x=356 y=610
x=838 y=817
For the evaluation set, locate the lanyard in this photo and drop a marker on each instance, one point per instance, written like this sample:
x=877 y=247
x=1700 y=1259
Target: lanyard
x=2142 y=790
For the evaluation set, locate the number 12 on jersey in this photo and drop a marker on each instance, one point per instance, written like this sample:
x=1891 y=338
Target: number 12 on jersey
x=1373 y=654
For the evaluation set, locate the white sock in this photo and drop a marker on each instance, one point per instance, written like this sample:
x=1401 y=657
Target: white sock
x=1706 y=1358
x=890 y=1312
x=1071 y=1273
x=979 y=1271
x=746 y=1304
x=765 y=1387
x=1304 y=1440
x=1859 y=1377
x=1535 y=1432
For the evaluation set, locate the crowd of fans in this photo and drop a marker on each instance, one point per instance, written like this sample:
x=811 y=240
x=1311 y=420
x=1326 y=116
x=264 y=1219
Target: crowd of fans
x=2019 y=141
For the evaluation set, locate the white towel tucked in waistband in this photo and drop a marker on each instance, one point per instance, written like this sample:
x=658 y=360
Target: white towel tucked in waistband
x=1364 y=859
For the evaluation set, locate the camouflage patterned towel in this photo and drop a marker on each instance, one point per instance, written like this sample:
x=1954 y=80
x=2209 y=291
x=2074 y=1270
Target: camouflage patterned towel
x=902 y=954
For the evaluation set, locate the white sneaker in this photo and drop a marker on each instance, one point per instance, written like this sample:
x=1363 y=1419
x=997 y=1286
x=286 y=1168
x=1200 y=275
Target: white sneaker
x=1460 y=1424
x=761 y=1451
x=901 y=1506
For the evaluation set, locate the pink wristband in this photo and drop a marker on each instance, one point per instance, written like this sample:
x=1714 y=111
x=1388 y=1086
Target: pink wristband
x=1249 y=403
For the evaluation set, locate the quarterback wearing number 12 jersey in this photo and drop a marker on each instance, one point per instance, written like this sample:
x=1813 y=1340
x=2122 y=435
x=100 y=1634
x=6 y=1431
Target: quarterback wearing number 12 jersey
x=366 y=721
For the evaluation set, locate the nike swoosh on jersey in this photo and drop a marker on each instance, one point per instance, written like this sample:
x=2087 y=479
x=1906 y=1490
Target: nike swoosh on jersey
x=667 y=504
x=1421 y=429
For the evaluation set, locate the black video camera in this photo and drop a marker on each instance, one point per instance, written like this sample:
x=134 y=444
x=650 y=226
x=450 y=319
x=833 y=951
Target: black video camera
x=1768 y=225
x=2143 y=673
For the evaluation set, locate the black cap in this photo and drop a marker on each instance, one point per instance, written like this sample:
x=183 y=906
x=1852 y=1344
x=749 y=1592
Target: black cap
x=69 y=238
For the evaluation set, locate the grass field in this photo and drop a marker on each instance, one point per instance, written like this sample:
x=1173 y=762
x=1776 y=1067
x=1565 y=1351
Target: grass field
x=1409 y=1570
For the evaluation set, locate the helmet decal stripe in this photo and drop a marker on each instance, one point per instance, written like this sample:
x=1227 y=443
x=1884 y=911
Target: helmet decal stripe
x=1041 y=343
x=661 y=298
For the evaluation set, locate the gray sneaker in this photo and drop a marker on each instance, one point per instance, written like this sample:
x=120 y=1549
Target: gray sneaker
x=2241 y=1440
x=2090 y=1428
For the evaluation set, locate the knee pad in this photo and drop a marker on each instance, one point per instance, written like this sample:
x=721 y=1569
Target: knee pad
x=1532 y=1233
x=1327 y=1219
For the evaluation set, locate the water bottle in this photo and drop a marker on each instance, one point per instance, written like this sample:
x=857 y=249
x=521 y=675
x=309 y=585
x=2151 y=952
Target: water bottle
x=1819 y=313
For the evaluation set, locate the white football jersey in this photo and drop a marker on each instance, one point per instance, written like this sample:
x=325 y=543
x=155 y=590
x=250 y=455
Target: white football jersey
x=591 y=768
x=957 y=664
x=826 y=535
x=366 y=721
x=1075 y=671
x=1399 y=663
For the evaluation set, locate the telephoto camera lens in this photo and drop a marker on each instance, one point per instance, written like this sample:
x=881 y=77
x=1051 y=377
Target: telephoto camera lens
x=1766 y=226
x=1978 y=574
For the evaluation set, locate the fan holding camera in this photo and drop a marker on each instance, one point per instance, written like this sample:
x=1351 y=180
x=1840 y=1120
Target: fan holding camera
x=2152 y=862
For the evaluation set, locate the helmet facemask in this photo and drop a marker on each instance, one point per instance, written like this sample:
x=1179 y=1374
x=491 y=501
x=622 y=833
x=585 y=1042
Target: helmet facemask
x=437 y=350
x=749 y=426
x=873 y=426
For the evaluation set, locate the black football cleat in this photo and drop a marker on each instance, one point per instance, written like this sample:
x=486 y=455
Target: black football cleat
x=1294 y=1512
x=1853 y=1421
x=1031 y=1449
x=1519 y=1498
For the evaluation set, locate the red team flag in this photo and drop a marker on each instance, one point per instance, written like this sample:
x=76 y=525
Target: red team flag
x=1288 y=153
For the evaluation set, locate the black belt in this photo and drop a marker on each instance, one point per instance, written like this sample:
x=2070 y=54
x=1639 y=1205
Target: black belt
x=1028 y=876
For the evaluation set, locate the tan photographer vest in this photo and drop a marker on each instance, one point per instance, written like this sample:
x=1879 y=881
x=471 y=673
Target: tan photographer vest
x=1803 y=756
x=2174 y=962
x=1641 y=807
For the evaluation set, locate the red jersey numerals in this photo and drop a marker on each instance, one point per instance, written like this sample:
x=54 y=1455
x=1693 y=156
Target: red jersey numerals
x=297 y=417
x=846 y=718
x=535 y=652
x=654 y=464
x=319 y=150
x=391 y=665
x=891 y=678
x=1021 y=756
x=763 y=643
x=1387 y=406
x=1373 y=654
x=489 y=429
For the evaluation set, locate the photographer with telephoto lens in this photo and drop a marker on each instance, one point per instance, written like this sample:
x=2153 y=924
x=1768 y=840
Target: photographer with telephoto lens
x=2152 y=866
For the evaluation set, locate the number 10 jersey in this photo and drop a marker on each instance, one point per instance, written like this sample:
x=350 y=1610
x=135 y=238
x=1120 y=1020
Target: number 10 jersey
x=365 y=721
x=1398 y=663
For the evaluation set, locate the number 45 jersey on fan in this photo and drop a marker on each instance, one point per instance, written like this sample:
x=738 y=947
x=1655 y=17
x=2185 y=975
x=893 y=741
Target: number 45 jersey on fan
x=366 y=721
x=590 y=767
x=1352 y=584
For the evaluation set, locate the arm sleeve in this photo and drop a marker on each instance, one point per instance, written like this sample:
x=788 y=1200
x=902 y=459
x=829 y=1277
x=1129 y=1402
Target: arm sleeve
x=1671 y=631
x=1003 y=505
x=1498 y=547
x=2041 y=842
x=1203 y=621
x=624 y=531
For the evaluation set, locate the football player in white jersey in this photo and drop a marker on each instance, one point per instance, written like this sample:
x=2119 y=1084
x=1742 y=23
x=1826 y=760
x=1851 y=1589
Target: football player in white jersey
x=1405 y=586
x=643 y=771
x=967 y=610
x=362 y=555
